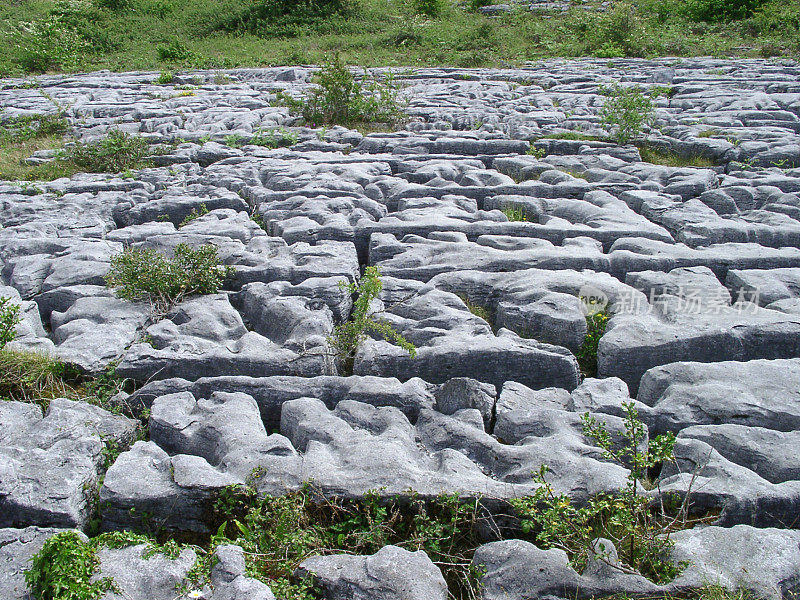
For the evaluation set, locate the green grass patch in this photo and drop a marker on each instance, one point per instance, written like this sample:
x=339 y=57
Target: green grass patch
x=116 y=153
x=29 y=376
x=37 y=377
x=22 y=136
x=673 y=159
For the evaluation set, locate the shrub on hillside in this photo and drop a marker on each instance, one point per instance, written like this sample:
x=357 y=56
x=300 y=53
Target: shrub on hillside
x=276 y=18
x=429 y=8
x=340 y=99
x=721 y=10
x=47 y=44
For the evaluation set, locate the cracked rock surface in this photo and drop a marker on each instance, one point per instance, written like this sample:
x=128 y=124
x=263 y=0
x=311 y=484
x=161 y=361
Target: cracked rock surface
x=490 y=213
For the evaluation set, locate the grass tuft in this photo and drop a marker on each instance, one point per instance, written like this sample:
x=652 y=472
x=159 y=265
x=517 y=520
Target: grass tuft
x=673 y=159
x=33 y=377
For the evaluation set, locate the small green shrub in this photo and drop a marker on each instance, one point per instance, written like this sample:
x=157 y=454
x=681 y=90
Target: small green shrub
x=617 y=32
x=117 y=152
x=536 y=152
x=165 y=78
x=348 y=336
x=174 y=51
x=277 y=533
x=234 y=140
x=587 y=355
x=63 y=569
x=150 y=276
x=339 y=99
x=9 y=319
x=641 y=536
x=626 y=111
x=195 y=214
x=429 y=8
x=272 y=139
x=721 y=10
x=47 y=44
x=609 y=50
x=283 y=18
x=100 y=389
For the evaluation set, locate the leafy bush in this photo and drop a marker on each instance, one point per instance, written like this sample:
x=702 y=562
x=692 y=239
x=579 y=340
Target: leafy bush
x=587 y=354
x=65 y=566
x=174 y=51
x=117 y=152
x=47 y=44
x=9 y=319
x=617 y=32
x=63 y=569
x=429 y=8
x=165 y=78
x=338 y=99
x=641 y=537
x=277 y=533
x=269 y=139
x=279 y=18
x=149 y=276
x=348 y=336
x=721 y=10
x=609 y=50
x=626 y=111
